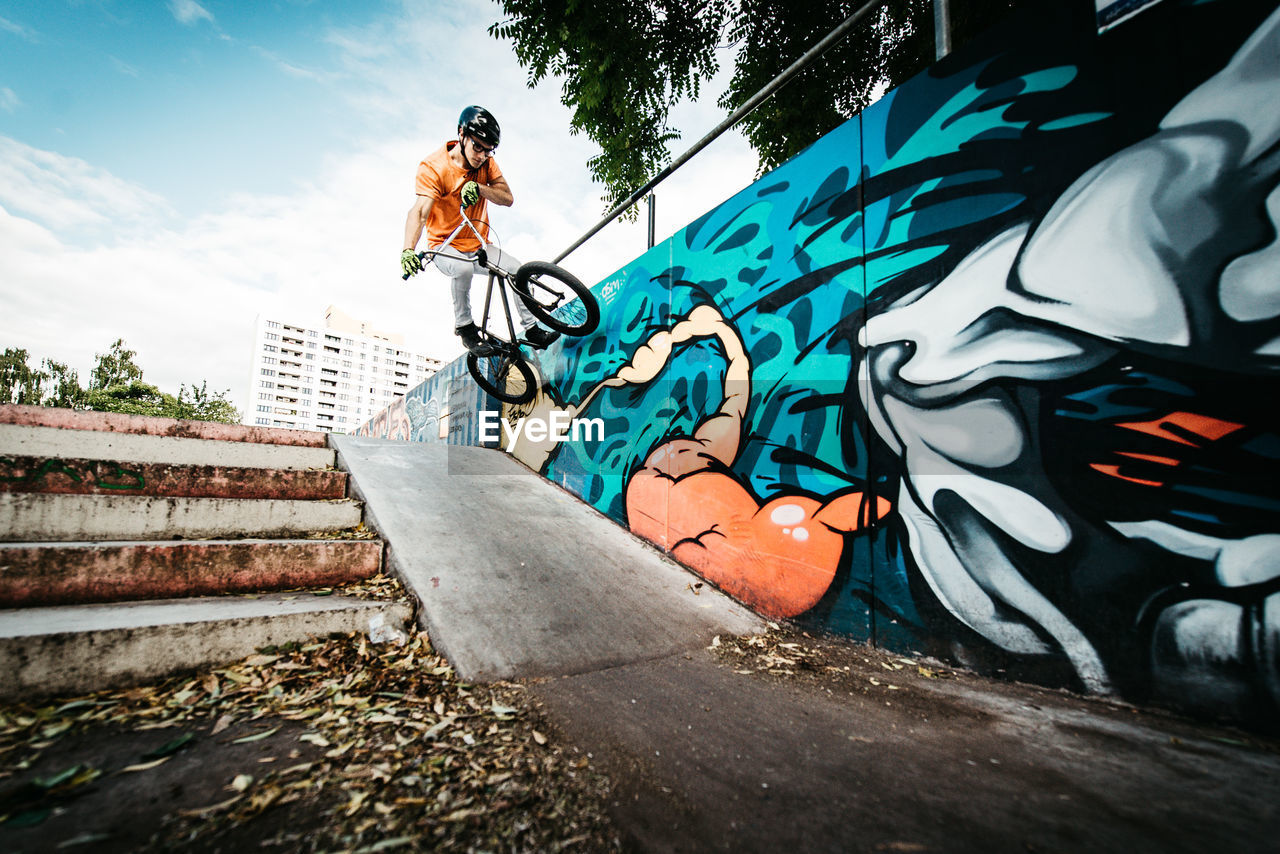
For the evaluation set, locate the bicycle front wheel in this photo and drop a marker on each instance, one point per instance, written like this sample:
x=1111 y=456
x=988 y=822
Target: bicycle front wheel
x=503 y=376
x=557 y=298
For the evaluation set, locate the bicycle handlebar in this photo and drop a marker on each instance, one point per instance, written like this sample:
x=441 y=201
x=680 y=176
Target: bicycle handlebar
x=466 y=220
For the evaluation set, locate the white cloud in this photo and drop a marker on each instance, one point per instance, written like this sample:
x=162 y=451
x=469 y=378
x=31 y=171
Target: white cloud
x=189 y=12
x=17 y=29
x=123 y=67
x=9 y=100
x=67 y=192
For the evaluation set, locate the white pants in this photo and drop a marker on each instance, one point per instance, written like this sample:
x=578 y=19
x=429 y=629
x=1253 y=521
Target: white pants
x=460 y=274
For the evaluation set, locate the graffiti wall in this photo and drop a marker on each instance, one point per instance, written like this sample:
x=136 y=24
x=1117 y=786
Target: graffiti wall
x=444 y=409
x=989 y=372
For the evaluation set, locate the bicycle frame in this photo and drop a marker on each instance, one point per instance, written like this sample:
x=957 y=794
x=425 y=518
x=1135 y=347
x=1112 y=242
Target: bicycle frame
x=502 y=267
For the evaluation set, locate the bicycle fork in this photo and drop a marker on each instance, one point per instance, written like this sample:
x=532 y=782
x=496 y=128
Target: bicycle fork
x=506 y=309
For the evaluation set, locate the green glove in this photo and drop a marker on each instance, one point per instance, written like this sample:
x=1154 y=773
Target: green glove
x=470 y=194
x=410 y=263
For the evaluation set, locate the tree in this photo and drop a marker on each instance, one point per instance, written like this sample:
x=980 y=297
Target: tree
x=64 y=386
x=626 y=63
x=115 y=367
x=133 y=398
x=115 y=385
x=199 y=405
x=140 y=398
x=18 y=382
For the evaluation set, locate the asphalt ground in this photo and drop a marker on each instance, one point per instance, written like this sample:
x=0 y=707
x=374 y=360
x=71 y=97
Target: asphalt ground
x=787 y=743
x=768 y=742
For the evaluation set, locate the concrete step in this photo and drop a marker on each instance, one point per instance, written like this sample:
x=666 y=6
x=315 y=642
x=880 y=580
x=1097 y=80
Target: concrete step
x=117 y=477
x=44 y=574
x=37 y=518
x=57 y=443
x=75 y=649
x=46 y=416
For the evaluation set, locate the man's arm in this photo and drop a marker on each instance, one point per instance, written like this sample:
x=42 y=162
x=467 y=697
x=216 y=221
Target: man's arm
x=497 y=192
x=417 y=221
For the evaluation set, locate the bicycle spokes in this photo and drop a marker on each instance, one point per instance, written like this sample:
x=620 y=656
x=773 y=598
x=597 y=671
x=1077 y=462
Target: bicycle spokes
x=503 y=375
x=557 y=298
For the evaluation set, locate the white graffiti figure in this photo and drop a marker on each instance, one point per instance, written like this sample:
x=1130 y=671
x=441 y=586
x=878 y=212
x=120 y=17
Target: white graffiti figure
x=1155 y=250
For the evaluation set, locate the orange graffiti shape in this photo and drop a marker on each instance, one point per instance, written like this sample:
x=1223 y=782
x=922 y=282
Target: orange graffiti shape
x=780 y=558
x=1114 y=471
x=1199 y=425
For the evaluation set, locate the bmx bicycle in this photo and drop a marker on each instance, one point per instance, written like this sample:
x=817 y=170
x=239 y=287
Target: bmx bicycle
x=552 y=294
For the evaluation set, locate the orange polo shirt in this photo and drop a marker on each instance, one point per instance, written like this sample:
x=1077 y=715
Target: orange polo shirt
x=440 y=179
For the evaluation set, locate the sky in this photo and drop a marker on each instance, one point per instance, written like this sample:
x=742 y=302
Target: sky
x=170 y=169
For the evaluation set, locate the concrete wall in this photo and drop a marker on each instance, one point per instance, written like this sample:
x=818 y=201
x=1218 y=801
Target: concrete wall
x=988 y=372
x=444 y=409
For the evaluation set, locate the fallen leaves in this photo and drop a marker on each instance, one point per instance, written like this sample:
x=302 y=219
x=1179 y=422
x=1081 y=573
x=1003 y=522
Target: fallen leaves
x=31 y=804
x=259 y=736
x=788 y=653
x=404 y=753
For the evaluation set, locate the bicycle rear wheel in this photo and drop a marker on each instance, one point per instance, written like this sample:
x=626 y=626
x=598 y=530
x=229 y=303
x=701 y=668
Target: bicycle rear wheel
x=504 y=376
x=557 y=298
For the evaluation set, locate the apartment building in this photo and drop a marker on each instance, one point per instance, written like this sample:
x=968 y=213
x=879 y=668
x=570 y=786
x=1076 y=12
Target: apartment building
x=333 y=377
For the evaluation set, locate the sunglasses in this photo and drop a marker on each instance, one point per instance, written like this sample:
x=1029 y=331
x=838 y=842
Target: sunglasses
x=483 y=149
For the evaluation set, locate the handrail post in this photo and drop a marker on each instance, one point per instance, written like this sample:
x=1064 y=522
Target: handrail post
x=941 y=28
x=650 y=199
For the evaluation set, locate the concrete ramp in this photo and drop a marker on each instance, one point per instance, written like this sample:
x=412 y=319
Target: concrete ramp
x=518 y=578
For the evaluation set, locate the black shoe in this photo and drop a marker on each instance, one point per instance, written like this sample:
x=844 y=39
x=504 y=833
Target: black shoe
x=471 y=339
x=539 y=337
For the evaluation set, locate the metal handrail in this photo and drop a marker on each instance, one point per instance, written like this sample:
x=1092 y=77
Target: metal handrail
x=738 y=115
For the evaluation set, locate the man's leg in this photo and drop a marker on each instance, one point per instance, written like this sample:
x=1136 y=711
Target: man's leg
x=460 y=273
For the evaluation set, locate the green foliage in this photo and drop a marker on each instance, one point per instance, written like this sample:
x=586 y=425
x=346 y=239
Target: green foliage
x=64 y=386
x=198 y=405
x=133 y=398
x=888 y=46
x=115 y=386
x=18 y=382
x=625 y=63
x=115 y=367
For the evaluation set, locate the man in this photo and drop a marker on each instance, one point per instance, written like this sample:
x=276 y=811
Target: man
x=462 y=173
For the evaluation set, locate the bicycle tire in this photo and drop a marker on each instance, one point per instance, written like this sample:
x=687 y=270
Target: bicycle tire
x=503 y=376
x=569 y=308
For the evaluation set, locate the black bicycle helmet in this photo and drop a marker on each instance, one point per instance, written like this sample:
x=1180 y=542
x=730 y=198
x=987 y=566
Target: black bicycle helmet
x=480 y=123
